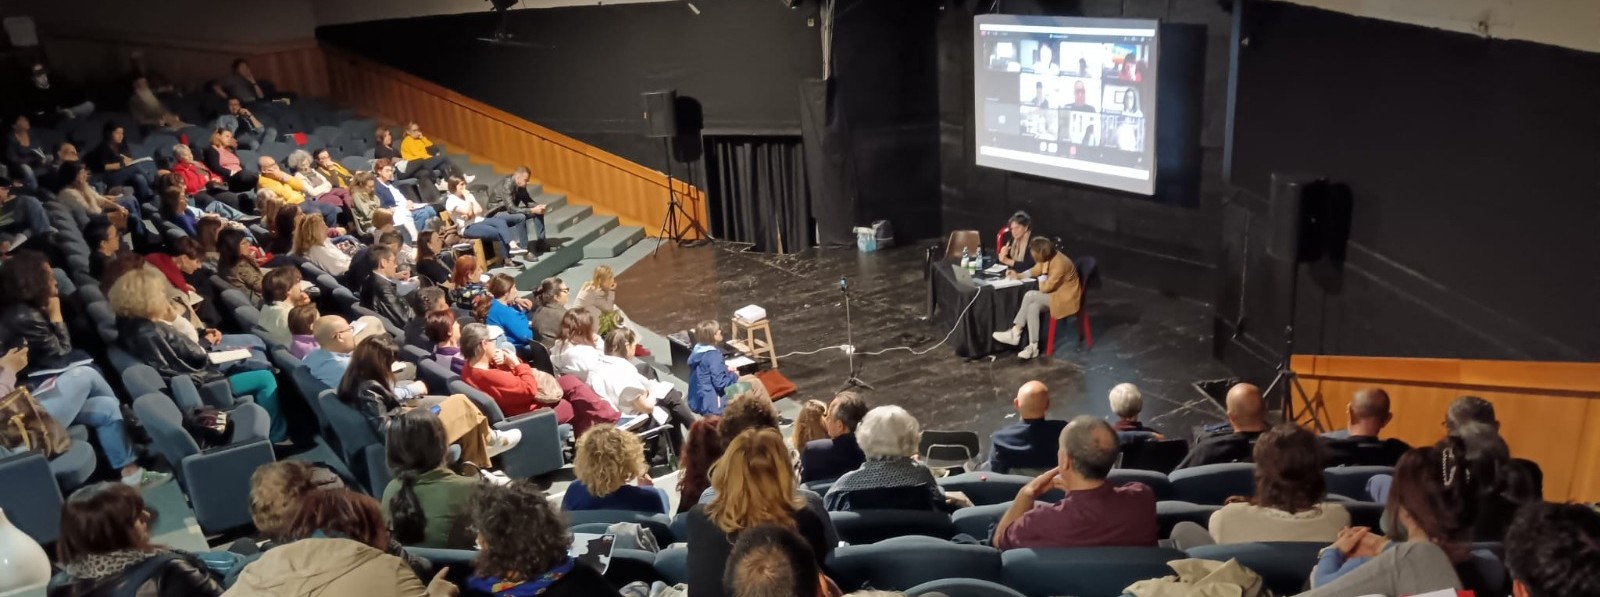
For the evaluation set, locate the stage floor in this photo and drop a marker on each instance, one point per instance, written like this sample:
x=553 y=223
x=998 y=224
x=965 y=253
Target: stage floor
x=1160 y=343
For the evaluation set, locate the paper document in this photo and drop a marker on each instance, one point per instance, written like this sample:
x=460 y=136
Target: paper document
x=357 y=327
x=228 y=356
x=740 y=361
x=997 y=269
x=1004 y=283
x=44 y=372
x=397 y=366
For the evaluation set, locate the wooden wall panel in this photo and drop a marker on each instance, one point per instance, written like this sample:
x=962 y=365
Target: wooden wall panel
x=1549 y=412
x=612 y=185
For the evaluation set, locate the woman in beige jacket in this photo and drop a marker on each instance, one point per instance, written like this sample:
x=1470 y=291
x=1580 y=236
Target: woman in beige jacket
x=338 y=550
x=1059 y=294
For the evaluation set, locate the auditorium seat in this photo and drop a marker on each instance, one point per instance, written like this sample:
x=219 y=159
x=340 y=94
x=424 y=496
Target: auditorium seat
x=1351 y=481
x=1161 y=456
x=871 y=526
x=673 y=565
x=903 y=562
x=538 y=453
x=985 y=488
x=1213 y=483
x=1157 y=482
x=978 y=521
x=1083 y=571
x=658 y=524
x=36 y=511
x=1171 y=512
x=962 y=587
x=217 y=479
x=1284 y=566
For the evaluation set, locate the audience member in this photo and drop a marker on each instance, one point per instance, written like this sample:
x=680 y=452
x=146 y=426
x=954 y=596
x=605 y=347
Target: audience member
x=105 y=241
x=808 y=425
x=244 y=125
x=1093 y=513
x=753 y=483
x=430 y=244
x=1504 y=484
x=510 y=196
x=619 y=381
x=1028 y=446
x=24 y=153
x=105 y=549
x=612 y=475
x=1127 y=403
x=364 y=202
x=1246 y=420
x=401 y=168
x=890 y=477
x=236 y=263
x=1058 y=296
x=416 y=148
x=337 y=175
x=87 y=204
x=409 y=216
x=21 y=219
x=1433 y=498
x=522 y=547
x=423 y=500
x=30 y=312
x=382 y=290
x=443 y=329
x=302 y=320
x=466 y=282
x=114 y=162
x=1358 y=443
x=293 y=191
x=275 y=492
x=1553 y=550
x=599 y=295
x=578 y=347
x=1467 y=409
x=317 y=186
x=425 y=300
x=700 y=450
x=81 y=396
x=200 y=179
x=339 y=547
x=550 y=307
x=313 y=243
x=222 y=158
x=511 y=383
x=476 y=222
x=149 y=110
x=369 y=387
x=505 y=310
x=827 y=459
x=336 y=340
x=280 y=294
x=711 y=380
x=770 y=560
x=241 y=84
x=1290 y=501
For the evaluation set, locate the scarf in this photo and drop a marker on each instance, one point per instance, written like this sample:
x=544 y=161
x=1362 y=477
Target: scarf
x=509 y=588
x=101 y=565
x=1019 y=247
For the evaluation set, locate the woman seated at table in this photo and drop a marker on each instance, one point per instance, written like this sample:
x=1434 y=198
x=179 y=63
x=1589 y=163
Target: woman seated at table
x=1058 y=293
x=1016 y=254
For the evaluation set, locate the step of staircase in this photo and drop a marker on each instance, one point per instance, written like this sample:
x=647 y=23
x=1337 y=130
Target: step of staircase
x=553 y=200
x=613 y=243
x=574 y=238
x=565 y=217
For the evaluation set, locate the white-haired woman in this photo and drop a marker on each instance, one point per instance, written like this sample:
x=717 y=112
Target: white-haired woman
x=317 y=185
x=890 y=478
x=1127 y=403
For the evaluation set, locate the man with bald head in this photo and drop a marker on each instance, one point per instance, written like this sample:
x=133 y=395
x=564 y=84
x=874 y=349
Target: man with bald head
x=1247 y=419
x=1093 y=512
x=1359 y=444
x=336 y=339
x=292 y=190
x=1028 y=446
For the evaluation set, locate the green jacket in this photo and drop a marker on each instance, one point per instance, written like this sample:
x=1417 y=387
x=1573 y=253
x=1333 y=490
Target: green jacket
x=443 y=495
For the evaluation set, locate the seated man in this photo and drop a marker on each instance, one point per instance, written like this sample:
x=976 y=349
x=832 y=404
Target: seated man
x=336 y=340
x=1246 y=420
x=1015 y=254
x=21 y=219
x=293 y=191
x=826 y=459
x=1358 y=444
x=771 y=561
x=510 y=197
x=1028 y=446
x=1553 y=550
x=1093 y=513
x=383 y=289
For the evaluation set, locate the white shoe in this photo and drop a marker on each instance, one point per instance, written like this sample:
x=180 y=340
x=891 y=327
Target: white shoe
x=496 y=477
x=1012 y=336
x=1032 y=350
x=471 y=178
x=441 y=186
x=500 y=441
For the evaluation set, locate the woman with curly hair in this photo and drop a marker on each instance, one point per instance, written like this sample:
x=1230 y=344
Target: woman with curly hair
x=30 y=311
x=522 y=547
x=312 y=242
x=1290 y=501
x=608 y=459
x=699 y=452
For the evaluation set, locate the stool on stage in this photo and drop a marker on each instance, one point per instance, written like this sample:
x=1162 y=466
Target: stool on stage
x=755 y=339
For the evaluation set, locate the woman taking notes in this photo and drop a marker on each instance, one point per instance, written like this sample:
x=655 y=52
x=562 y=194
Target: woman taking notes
x=1058 y=293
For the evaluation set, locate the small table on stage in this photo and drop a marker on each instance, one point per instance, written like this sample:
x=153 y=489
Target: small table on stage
x=950 y=288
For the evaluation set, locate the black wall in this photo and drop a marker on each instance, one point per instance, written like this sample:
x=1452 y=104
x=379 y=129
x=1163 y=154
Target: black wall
x=1475 y=171
x=743 y=62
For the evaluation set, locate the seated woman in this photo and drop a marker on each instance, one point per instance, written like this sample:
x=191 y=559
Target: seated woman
x=1058 y=295
x=1432 y=495
x=506 y=311
x=1126 y=404
x=752 y=482
x=386 y=154
x=711 y=381
x=281 y=292
x=617 y=379
x=142 y=310
x=77 y=193
x=808 y=427
x=607 y=461
x=522 y=547
x=1290 y=501
x=599 y=294
x=416 y=148
x=429 y=244
x=30 y=311
x=469 y=215
x=178 y=209
x=443 y=328
x=337 y=175
x=105 y=549
x=25 y=154
x=221 y=158
x=1016 y=253
x=236 y=263
x=368 y=386
x=205 y=185
x=424 y=499
x=317 y=186
x=700 y=451
x=550 y=307
x=114 y=162
x=891 y=477
x=301 y=339
x=578 y=347
x=338 y=545
x=519 y=388
x=465 y=282
x=313 y=242
x=179 y=264
x=364 y=203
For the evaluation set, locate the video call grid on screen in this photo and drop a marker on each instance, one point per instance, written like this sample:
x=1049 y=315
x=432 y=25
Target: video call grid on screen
x=1068 y=98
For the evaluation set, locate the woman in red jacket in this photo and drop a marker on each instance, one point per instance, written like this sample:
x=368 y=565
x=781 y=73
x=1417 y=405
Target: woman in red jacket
x=200 y=182
x=519 y=388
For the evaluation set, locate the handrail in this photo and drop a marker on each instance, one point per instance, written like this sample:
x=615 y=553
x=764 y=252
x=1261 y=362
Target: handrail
x=466 y=122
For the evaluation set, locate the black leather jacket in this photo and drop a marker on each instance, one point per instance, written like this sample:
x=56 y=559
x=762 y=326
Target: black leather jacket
x=505 y=194
x=162 y=347
x=377 y=404
x=380 y=295
x=49 y=345
x=180 y=575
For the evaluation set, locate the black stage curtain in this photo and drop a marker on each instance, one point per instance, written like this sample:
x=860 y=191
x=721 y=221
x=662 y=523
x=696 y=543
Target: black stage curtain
x=832 y=176
x=758 y=191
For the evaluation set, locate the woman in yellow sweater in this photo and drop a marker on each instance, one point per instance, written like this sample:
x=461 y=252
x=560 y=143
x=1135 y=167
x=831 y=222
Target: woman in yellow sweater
x=420 y=152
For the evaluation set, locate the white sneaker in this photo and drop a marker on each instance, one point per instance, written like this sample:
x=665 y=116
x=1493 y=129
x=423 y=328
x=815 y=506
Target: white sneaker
x=145 y=479
x=441 y=186
x=1032 y=350
x=500 y=441
x=1012 y=336
x=496 y=477
x=471 y=178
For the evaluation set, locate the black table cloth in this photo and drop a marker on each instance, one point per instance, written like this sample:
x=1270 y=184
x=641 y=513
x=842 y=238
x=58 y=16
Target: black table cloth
x=952 y=289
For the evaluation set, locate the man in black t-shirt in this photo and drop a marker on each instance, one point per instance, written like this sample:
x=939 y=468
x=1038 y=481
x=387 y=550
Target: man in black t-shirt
x=1247 y=421
x=1359 y=444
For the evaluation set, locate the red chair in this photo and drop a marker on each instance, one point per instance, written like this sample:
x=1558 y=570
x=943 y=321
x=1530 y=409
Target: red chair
x=1086 y=276
x=1000 y=239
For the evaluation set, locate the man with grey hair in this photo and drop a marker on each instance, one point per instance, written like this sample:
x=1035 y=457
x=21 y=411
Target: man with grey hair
x=1127 y=402
x=1093 y=513
x=1028 y=446
x=889 y=478
x=1358 y=444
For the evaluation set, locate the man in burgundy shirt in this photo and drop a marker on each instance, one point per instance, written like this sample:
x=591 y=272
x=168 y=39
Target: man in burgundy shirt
x=1093 y=513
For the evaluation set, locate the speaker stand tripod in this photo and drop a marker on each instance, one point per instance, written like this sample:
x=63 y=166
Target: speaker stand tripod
x=850 y=344
x=1286 y=377
x=671 y=226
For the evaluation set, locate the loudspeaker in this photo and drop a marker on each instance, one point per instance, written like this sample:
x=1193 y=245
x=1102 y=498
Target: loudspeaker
x=1310 y=219
x=660 y=117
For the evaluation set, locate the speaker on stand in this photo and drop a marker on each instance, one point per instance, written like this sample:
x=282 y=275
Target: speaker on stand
x=661 y=122
x=1304 y=213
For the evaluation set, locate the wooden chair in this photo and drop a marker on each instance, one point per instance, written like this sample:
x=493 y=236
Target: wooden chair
x=477 y=244
x=962 y=240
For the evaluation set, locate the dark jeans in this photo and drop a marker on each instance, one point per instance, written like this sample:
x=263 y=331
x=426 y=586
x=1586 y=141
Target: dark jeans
x=329 y=213
x=495 y=228
x=130 y=177
x=30 y=212
x=522 y=198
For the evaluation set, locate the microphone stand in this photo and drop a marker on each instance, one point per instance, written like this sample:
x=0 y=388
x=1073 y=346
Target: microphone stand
x=850 y=347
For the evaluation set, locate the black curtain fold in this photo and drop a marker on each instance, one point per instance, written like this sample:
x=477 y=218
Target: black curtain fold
x=758 y=191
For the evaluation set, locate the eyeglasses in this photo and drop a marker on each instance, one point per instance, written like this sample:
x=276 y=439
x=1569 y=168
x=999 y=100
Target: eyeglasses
x=346 y=330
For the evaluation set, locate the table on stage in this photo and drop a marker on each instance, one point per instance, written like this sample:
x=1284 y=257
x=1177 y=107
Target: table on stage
x=950 y=288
